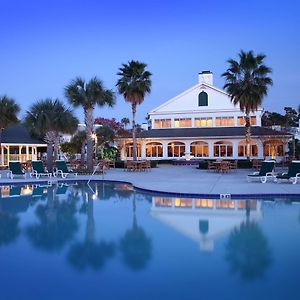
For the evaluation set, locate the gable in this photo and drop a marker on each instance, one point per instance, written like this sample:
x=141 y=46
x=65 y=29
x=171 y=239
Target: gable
x=189 y=100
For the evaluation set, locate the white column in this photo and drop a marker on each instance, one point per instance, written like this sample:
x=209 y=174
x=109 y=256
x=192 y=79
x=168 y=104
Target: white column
x=211 y=149
x=187 y=147
x=2 y=155
x=27 y=152
x=235 y=144
x=260 y=147
x=143 y=150
x=165 y=149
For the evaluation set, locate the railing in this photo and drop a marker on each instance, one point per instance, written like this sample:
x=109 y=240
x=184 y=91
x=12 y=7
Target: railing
x=15 y=157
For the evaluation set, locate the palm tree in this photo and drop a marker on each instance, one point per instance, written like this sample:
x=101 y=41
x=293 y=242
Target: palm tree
x=134 y=83
x=57 y=224
x=90 y=252
x=79 y=140
x=135 y=245
x=47 y=119
x=247 y=83
x=9 y=110
x=89 y=95
x=125 y=121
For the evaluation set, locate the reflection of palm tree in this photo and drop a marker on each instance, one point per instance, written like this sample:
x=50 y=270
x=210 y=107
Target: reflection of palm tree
x=9 y=230
x=248 y=251
x=57 y=223
x=89 y=252
x=135 y=245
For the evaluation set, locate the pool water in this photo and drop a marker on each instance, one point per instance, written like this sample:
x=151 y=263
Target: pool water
x=107 y=241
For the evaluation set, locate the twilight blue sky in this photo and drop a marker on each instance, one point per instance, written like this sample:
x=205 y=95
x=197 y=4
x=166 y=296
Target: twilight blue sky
x=45 y=44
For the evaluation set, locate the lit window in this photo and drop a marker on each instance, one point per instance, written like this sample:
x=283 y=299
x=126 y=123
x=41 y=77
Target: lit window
x=242 y=149
x=154 y=150
x=176 y=149
x=183 y=122
x=162 y=123
x=129 y=150
x=253 y=121
x=223 y=149
x=224 y=121
x=203 y=122
x=199 y=149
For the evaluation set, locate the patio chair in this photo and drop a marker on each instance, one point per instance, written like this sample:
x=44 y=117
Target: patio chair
x=38 y=170
x=293 y=173
x=62 y=169
x=266 y=171
x=38 y=191
x=233 y=165
x=211 y=166
x=15 y=170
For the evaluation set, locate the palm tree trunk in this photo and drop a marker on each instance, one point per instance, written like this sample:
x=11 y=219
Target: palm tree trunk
x=134 y=131
x=90 y=226
x=82 y=158
x=89 y=122
x=248 y=136
x=56 y=147
x=50 y=140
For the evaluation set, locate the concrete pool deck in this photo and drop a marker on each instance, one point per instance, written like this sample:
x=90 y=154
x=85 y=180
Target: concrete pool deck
x=189 y=180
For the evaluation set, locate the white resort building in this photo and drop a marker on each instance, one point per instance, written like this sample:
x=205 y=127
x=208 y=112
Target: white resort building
x=203 y=123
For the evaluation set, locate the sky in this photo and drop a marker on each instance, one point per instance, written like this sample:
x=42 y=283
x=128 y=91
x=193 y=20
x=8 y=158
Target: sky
x=45 y=44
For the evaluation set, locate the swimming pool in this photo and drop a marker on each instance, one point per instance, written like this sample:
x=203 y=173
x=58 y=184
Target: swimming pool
x=109 y=241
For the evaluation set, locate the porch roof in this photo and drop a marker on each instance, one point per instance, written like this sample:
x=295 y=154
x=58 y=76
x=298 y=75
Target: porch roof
x=213 y=132
x=19 y=135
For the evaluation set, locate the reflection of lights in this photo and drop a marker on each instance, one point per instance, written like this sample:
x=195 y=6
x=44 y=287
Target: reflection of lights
x=94 y=197
x=27 y=190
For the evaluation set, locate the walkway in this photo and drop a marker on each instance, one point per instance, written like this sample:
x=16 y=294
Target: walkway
x=188 y=179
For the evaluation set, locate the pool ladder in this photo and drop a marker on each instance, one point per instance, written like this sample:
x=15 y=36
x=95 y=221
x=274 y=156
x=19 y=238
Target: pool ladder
x=95 y=169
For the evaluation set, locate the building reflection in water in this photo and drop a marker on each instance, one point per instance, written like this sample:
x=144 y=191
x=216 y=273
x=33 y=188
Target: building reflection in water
x=204 y=220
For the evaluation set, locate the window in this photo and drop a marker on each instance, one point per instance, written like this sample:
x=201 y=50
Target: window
x=225 y=204
x=242 y=122
x=242 y=149
x=154 y=150
x=199 y=149
x=181 y=202
x=176 y=149
x=203 y=99
x=183 y=122
x=273 y=148
x=224 y=121
x=203 y=122
x=129 y=150
x=203 y=203
x=222 y=149
x=162 y=123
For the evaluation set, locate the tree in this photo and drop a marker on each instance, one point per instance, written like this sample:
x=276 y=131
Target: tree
x=273 y=118
x=125 y=121
x=248 y=251
x=247 y=83
x=79 y=140
x=134 y=84
x=291 y=117
x=48 y=118
x=105 y=136
x=89 y=95
x=136 y=246
x=113 y=124
x=9 y=110
x=57 y=224
x=90 y=253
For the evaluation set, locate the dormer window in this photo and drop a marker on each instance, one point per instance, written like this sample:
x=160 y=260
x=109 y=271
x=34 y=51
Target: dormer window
x=203 y=99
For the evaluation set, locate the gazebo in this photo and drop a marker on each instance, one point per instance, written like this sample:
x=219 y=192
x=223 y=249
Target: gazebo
x=18 y=145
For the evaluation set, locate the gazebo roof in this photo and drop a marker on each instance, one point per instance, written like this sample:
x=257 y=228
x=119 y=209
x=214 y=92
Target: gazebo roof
x=18 y=134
